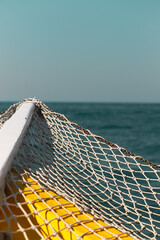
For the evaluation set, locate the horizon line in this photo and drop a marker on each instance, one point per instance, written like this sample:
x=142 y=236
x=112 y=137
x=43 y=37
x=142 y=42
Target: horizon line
x=88 y=102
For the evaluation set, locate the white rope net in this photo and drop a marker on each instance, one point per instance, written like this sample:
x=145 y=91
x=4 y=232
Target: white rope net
x=84 y=175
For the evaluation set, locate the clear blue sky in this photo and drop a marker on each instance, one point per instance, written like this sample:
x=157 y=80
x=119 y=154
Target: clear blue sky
x=80 y=50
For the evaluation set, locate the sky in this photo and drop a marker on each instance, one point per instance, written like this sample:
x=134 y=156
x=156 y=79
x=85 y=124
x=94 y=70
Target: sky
x=80 y=50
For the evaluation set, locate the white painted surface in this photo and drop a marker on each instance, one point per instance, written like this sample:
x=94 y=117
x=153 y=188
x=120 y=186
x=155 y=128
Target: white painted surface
x=11 y=135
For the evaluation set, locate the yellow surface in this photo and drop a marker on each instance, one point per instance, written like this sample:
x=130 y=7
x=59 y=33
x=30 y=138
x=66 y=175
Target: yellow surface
x=32 y=206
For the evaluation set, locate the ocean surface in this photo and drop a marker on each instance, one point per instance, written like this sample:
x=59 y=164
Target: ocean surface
x=135 y=127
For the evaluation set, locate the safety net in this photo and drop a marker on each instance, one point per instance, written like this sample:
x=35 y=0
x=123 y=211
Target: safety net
x=68 y=183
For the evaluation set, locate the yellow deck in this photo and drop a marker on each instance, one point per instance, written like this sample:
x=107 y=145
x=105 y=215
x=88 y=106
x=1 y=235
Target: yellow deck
x=54 y=213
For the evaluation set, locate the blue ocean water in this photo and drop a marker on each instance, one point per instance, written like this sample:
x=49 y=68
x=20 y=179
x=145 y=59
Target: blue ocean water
x=135 y=127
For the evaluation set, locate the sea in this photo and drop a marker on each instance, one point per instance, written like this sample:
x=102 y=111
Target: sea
x=134 y=126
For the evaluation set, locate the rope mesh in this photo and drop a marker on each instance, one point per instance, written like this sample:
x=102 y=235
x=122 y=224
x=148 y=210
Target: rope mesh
x=109 y=186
